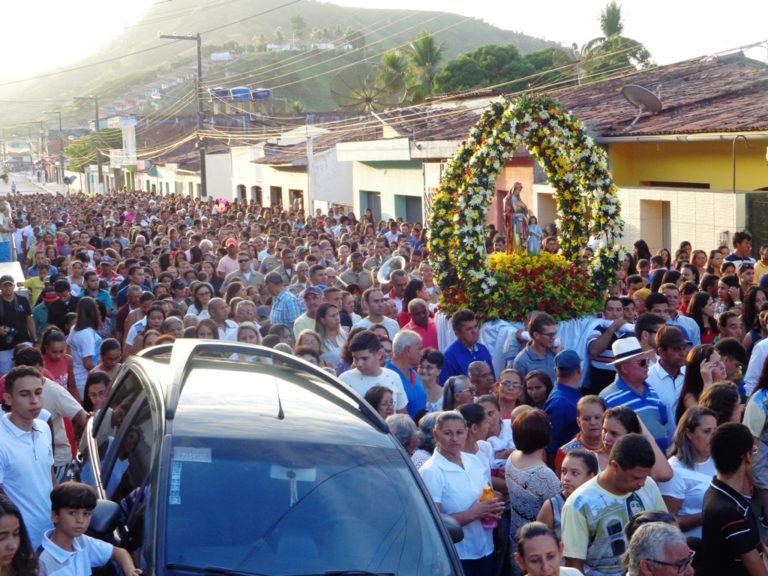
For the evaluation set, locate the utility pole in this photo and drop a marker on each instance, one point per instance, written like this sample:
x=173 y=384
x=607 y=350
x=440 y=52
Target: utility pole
x=61 y=150
x=200 y=139
x=97 y=139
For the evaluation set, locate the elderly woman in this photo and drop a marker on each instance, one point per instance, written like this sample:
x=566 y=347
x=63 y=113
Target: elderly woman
x=426 y=444
x=456 y=481
x=458 y=390
x=692 y=467
x=404 y=429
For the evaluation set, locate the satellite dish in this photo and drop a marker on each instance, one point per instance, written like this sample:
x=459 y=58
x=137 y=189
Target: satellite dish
x=358 y=89
x=644 y=99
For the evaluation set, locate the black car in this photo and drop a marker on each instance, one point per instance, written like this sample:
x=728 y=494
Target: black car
x=229 y=458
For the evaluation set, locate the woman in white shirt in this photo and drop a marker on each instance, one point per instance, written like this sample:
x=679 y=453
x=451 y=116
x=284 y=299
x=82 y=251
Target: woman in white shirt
x=84 y=341
x=693 y=469
x=328 y=325
x=539 y=551
x=456 y=480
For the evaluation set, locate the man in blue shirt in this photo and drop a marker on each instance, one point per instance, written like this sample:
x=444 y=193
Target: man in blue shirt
x=466 y=349
x=540 y=352
x=285 y=306
x=561 y=404
x=632 y=390
x=406 y=354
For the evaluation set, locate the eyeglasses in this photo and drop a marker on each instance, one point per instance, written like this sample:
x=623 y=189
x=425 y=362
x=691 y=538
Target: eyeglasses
x=549 y=334
x=678 y=566
x=511 y=385
x=642 y=363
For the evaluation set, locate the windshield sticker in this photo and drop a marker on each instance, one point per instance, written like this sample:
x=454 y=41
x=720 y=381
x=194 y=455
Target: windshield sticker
x=190 y=454
x=174 y=494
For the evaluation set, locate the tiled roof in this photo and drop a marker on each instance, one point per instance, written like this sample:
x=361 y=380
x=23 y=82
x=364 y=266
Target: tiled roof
x=716 y=94
x=418 y=123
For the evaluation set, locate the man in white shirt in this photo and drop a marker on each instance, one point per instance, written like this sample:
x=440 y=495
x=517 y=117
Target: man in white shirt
x=219 y=313
x=667 y=375
x=374 y=300
x=367 y=353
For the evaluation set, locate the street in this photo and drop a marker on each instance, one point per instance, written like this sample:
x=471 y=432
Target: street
x=25 y=184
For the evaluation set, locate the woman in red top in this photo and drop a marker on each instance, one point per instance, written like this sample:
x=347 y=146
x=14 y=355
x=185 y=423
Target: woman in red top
x=57 y=362
x=701 y=309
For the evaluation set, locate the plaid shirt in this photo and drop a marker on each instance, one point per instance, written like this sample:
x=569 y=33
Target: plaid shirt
x=285 y=308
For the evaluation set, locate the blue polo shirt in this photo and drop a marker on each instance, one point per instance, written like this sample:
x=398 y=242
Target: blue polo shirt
x=648 y=407
x=527 y=360
x=458 y=358
x=561 y=409
x=414 y=389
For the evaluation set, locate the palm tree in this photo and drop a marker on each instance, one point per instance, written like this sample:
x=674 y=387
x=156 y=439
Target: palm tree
x=612 y=51
x=393 y=71
x=424 y=55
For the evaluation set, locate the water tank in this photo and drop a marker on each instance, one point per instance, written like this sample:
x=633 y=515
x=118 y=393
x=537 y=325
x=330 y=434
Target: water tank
x=240 y=93
x=219 y=93
x=261 y=94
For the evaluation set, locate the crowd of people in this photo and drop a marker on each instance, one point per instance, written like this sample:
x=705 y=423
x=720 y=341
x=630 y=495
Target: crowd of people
x=625 y=456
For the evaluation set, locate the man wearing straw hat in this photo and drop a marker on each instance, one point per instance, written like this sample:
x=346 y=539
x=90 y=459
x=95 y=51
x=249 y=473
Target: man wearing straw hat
x=631 y=389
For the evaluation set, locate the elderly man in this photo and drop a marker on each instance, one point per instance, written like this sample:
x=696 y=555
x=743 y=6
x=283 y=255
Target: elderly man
x=406 y=354
x=659 y=549
x=421 y=323
x=632 y=390
x=481 y=377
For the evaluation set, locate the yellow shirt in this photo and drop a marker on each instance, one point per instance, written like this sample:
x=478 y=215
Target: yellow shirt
x=35 y=286
x=760 y=269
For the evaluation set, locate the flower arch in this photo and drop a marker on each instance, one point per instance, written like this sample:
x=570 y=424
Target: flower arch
x=585 y=195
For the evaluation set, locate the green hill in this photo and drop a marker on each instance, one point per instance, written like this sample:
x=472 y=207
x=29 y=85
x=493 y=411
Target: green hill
x=137 y=60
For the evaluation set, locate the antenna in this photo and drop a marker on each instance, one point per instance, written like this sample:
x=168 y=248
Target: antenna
x=644 y=99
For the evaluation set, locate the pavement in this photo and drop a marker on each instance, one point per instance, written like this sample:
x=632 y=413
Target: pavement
x=26 y=183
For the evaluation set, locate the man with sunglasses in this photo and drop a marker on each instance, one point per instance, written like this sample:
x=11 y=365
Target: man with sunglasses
x=730 y=541
x=632 y=390
x=540 y=352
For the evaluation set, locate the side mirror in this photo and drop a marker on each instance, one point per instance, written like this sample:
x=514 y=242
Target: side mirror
x=455 y=531
x=105 y=518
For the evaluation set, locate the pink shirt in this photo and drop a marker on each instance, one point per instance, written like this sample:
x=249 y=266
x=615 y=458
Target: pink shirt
x=227 y=265
x=428 y=334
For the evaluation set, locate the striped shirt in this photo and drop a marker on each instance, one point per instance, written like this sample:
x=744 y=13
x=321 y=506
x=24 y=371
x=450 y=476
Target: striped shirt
x=648 y=407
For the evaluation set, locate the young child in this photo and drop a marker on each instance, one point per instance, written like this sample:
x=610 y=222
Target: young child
x=67 y=551
x=36 y=284
x=579 y=466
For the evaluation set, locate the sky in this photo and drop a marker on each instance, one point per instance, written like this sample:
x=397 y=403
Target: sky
x=41 y=35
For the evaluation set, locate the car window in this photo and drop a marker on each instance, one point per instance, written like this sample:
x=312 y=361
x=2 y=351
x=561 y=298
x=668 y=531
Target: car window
x=283 y=507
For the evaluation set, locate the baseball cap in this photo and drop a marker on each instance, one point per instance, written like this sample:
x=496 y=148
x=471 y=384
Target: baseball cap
x=746 y=266
x=178 y=284
x=643 y=293
x=311 y=290
x=107 y=261
x=230 y=242
x=7 y=279
x=567 y=361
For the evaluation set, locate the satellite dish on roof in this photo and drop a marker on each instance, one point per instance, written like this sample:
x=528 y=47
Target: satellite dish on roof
x=644 y=99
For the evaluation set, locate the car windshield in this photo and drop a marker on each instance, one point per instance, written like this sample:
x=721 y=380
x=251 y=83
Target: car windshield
x=285 y=507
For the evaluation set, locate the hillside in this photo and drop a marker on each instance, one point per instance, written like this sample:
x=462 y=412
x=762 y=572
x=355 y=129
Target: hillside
x=133 y=63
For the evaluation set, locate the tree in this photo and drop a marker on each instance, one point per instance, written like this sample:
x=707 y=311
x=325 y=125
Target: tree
x=279 y=36
x=424 y=55
x=81 y=153
x=299 y=27
x=393 y=71
x=486 y=66
x=259 y=42
x=612 y=51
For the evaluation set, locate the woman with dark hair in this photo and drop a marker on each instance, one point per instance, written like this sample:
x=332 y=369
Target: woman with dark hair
x=457 y=391
x=96 y=391
x=529 y=481
x=620 y=421
x=207 y=329
x=57 y=362
x=693 y=469
x=753 y=301
x=689 y=273
x=666 y=258
x=110 y=354
x=18 y=557
x=701 y=309
x=381 y=399
x=430 y=365
x=713 y=262
x=641 y=251
x=477 y=433
x=728 y=294
x=703 y=366
x=201 y=295
x=537 y=387
x=629 y=264
x=458 y=494
x=84 y=341
x=670 y=277
x=724 y=400
x=414 y=289
x=540 y=551
x=699 y=260
x=235 y=290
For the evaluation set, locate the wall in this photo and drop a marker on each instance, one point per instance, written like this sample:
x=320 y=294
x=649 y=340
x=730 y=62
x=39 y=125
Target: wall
x=389 y=179
x=329 y=180
x=703 y=162
x=244 y=171
x=706 y=218
x=295 y=179
x=219 y=176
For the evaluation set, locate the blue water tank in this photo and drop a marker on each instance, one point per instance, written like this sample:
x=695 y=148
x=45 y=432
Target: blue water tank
x=219 y=93
x=240 y=93
x=261 y=94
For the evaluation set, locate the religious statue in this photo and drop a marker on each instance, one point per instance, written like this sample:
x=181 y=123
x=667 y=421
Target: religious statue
x=515 y=219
